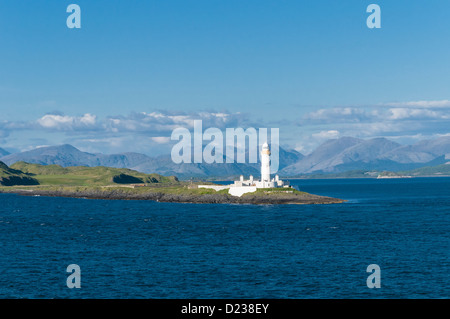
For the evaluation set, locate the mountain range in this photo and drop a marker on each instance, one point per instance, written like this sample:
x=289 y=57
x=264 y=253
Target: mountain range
x=333 y=156
x=67 y=155
x=348 y=153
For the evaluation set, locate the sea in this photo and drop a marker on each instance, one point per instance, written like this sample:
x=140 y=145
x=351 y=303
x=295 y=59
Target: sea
x=143 y=249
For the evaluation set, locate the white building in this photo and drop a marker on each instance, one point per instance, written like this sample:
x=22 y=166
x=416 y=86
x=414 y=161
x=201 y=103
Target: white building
x=240 y=187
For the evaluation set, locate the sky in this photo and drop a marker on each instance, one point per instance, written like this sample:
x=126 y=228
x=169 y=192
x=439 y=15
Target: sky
x=136 y=70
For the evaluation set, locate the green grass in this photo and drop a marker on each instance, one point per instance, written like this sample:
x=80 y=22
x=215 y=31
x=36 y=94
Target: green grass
x=10 y=177
x=73 y=180
x=89 y=176
x=439 y=170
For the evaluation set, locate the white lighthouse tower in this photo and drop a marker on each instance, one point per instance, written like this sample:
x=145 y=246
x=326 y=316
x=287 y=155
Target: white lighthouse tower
x=265 y=163
x=242 y=186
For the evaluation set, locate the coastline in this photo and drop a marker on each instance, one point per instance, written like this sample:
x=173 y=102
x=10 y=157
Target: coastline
x=158 y=195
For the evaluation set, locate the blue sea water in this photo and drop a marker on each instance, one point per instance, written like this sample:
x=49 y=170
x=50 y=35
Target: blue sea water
x=143 y=249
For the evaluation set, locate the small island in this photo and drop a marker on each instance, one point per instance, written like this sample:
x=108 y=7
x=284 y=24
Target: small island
x=125 y=184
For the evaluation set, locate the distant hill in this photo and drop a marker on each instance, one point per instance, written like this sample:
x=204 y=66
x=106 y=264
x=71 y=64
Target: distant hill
x=67 y=155
x=350 y=154
x=322 y=154
x=12 y=177
x=3 y=152
x=422 y=152
x=332 y=157
x=438 y=170
x=64 y=155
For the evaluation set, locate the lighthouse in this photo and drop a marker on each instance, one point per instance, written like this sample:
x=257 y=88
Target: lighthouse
x=242 y=186
x=265 y=163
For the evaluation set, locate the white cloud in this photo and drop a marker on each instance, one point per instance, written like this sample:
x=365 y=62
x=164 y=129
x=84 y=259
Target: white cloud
x=408 y=113
x=64 y=122
x=366 y=121
x=148 y=130
x=88 y=119
x=409 y=121
x=161 y=139
x=159 y=122
x=153 y=124
x=337 y=115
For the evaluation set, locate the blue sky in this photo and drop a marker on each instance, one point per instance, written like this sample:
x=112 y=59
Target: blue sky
x=138 y=69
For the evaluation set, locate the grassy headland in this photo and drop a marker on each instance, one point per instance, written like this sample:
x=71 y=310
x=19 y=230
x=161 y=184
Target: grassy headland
x=114 y=183
x=11 y=177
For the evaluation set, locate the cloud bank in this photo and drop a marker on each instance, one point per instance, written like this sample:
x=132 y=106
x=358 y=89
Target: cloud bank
x=142 y=131
x=403 y=121
x=147 y=132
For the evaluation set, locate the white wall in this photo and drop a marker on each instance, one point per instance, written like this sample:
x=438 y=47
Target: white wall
x=233 y=190
x=239 y=191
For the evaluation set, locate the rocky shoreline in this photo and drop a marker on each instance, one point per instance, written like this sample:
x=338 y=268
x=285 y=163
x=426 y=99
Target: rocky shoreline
x=160 y=196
